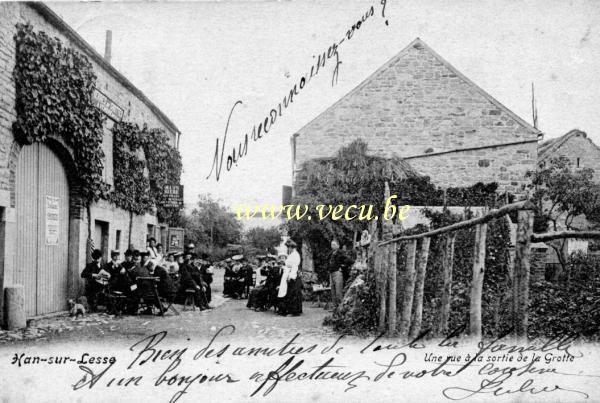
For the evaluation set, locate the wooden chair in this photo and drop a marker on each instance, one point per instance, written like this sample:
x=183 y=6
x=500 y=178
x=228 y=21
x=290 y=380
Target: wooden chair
x=148 y=294
x=190 y=300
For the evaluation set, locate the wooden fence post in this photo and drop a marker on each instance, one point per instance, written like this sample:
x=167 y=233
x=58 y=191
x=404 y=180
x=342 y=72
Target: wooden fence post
x=477 y=281
x=409 y=288
x=392 y=257
x=447 y=263
x=417 y=313
x=386 y=235
x=390 y=262
x=521 y=272
x=381 y=281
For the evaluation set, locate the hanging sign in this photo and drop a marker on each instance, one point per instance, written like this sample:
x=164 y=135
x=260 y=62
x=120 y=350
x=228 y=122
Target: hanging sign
x=172 y=196
x=52 y=220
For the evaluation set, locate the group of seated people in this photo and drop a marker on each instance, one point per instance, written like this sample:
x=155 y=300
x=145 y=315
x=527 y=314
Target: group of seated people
x=282 y=286
x=144 y=274
x=264 y=296
x=238 y=278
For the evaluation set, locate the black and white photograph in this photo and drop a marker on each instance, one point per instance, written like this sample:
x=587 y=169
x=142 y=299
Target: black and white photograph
x=300 y=201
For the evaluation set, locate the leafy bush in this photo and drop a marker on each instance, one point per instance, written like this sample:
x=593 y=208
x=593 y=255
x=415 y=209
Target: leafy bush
x=359 y=318
x=571 y=305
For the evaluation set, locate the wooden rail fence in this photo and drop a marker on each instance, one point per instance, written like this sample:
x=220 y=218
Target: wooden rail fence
x=404 y=317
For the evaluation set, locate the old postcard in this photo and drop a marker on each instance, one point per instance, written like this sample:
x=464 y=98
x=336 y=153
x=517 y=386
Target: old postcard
x=300 y=201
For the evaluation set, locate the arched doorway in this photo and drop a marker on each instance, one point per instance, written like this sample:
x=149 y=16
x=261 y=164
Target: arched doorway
x=42 y=209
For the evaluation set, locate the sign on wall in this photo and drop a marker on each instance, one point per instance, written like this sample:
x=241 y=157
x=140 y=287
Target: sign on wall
x=107 y=105
x=176 y=239
x=52 y=220
x=172 y=196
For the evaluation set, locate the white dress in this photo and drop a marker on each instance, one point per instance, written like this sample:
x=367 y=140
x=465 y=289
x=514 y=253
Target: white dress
x=289 y=273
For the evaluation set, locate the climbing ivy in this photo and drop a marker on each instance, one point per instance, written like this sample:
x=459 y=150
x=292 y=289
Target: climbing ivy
x=133 y=190
x=54 y=86
x=131 y=186
x=164 y=166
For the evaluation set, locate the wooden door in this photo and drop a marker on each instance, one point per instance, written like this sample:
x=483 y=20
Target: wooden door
x=42 y=208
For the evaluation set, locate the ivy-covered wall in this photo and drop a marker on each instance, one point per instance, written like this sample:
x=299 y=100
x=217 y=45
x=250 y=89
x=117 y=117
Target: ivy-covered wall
x=57 y=73
x=137 y=151
x=54 y=86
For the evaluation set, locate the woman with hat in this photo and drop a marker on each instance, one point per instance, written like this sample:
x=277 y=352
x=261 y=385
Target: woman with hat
x=171 y=265
x=290 y=286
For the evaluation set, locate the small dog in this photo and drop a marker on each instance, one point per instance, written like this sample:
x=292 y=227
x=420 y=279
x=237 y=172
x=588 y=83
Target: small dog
x=76 y=309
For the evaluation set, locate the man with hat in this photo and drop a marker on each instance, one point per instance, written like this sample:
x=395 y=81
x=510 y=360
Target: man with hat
x=124 y=280
x=187 y=282
x=128 y=263
x=229 y=278
x=189 y=248
x=141 y=260
x=96 y=278
x=237 y=277
x=339 y=263
x=119 y=278
x=113 y=266
x=145 y=258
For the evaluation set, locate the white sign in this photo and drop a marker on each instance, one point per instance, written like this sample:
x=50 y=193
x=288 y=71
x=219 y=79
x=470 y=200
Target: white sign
x=52 y=218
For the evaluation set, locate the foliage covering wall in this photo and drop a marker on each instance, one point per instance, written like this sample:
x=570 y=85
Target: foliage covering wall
x=136 y=149
x=54 y=87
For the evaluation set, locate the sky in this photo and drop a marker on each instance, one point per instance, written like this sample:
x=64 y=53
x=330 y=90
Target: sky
x=196 y=60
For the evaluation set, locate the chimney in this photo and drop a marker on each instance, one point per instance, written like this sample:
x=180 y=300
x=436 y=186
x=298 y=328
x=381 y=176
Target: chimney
x=108 y=46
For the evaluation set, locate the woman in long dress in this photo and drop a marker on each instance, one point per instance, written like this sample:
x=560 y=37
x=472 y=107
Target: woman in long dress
x=290 y=287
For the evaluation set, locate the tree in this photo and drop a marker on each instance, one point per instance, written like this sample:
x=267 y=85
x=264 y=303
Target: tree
x=265 y=240
x=211 y=223
x=352 y=177
x=562 y=197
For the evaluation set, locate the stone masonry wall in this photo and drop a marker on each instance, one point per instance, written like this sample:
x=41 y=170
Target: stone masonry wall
x=417 y=105
x=579 y=146
x=506 y=165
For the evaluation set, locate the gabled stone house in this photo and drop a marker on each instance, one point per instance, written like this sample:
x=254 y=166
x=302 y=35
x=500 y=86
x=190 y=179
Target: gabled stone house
x=582 y=152
x=420 y=108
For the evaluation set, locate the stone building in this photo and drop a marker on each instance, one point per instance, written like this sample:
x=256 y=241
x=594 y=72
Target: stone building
x=582 y=152
x=422 y=109
x=37 y=190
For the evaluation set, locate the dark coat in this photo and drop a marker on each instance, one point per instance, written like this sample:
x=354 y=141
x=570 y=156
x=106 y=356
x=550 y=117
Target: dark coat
x=340 y=260
x=186 y=280
x=90 y=268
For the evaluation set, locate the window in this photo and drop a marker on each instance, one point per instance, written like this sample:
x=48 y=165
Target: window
x=578 y=162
